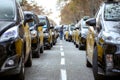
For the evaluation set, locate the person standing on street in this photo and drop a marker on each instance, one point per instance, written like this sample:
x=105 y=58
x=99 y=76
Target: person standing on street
x=61 y=32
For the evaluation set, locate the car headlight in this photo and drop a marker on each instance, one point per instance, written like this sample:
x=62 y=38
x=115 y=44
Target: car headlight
x=11 y=33
x=52 y=33
x=33 y=33
x=107 y=37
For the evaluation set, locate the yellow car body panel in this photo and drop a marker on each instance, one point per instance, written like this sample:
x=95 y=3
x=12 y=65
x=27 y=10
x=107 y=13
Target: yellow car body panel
x=66 y=35
x=100 y=52
x=73 y=36
x=27 y=39
x=40 y=29
x=77 y=36
x=50 y=40
x=90 y=43
x=19 y=47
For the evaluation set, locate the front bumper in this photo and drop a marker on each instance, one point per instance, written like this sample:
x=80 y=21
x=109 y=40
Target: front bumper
x=46 y=41
x=112 y=62
x=10 y=57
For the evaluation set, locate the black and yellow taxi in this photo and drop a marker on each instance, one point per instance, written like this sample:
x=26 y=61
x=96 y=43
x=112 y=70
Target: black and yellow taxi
x=66 y=32
x=54 y=34
x=70 y=32
x=103 y=41
x=83 y=33
x=47 y=31
x=36 y=34
x=15 y=41
x=76 y=32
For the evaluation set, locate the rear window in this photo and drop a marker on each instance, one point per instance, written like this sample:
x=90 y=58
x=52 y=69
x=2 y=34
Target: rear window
x=7 y=10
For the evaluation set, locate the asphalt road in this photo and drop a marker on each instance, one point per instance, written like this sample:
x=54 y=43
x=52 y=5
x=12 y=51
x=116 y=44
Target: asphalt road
x=63 y=62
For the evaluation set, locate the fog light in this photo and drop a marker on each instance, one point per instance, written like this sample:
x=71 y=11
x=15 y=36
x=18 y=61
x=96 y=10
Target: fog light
x=109 y=60
x=10 y=63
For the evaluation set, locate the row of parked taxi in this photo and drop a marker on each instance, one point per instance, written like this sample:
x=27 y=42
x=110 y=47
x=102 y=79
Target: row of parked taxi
x=100 y=38
x=77 y=33
x=23 y=35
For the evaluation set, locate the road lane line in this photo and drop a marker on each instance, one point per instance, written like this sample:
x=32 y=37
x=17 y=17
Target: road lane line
x=61 y=49
x=62 y=54
x=61 y=46
x=62 y=61
x=63 y=74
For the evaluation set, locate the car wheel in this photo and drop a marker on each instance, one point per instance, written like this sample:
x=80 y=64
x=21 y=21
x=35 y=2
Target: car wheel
x=29 y=61
x=95 y=65
x=76 y=46
x=80 y=47
x=88 y=63
x=42 y=49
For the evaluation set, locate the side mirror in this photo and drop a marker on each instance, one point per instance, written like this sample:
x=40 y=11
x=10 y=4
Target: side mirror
x=91 y=22
x=28 y=18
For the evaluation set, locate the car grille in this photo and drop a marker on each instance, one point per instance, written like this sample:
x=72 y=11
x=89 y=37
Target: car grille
x=117 y=61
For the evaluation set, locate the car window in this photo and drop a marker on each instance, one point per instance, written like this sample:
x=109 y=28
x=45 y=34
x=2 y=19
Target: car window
x=112 y=11
x=7 y=10
x=44 y=21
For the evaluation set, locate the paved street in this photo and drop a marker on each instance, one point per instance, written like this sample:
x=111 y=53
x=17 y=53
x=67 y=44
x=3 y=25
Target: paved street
x=62 y=62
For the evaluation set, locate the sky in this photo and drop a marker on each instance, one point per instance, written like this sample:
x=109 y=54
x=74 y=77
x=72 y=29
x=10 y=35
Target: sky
x=50 y=5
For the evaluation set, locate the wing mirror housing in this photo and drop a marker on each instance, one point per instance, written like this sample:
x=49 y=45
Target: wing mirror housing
x=91 y=22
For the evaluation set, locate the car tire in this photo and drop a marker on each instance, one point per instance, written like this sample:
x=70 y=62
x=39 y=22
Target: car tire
x=88 y=63
x=29 y=61
x=95 y=65
x=37 y=53
x=76 y=46
x=42 y=49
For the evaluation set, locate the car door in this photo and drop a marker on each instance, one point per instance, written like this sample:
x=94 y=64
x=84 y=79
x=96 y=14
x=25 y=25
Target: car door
x=90 y=43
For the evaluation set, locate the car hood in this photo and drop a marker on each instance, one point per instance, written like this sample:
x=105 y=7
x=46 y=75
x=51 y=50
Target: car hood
x=4 y=25
x=112 y=26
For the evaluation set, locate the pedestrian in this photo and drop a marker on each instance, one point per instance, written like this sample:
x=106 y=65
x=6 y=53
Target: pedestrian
x=61 y=32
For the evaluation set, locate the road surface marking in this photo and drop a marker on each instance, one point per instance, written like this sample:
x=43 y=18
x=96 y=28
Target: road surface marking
x=63 y=74
x=61 y=49
x=62 y=61
x=62 y=54
x=61 y=46
x=60 y=42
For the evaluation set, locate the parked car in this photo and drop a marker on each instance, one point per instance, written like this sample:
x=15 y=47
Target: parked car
x=54 y=35
x=15 y=41
x=76 y=33
x=36 y=34
x=83 y=33
x=103 y=41
x=47 y=31
x=66 y=32
x=70 y=32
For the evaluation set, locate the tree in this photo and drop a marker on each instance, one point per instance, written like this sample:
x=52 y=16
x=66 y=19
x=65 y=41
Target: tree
x=33 y=7
x=76 y=9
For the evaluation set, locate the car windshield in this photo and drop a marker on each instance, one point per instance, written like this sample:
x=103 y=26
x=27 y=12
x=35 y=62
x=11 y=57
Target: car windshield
x=72 y=28
x=83 y=25
x=7 y=10
x=112 y=12
x=31 y=24
x=43 y=20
